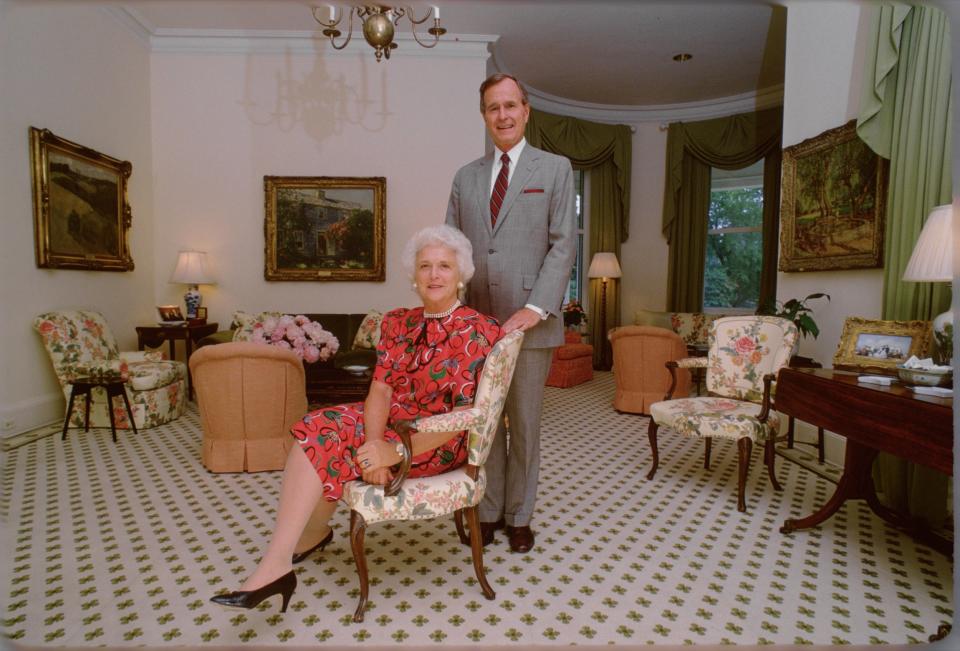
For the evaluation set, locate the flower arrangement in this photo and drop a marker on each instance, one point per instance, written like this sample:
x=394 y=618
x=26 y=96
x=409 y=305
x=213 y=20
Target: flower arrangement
x=573 y=314
x=304 y=337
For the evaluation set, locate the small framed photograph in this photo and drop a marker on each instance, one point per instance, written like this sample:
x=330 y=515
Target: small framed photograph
x=874 y=346
x=201 y=314
x=170 y=313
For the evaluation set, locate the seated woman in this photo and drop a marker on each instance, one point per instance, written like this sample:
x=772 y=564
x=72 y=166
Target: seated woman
x=428 y=362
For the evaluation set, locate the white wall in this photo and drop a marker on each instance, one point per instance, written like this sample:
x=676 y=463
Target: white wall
x=221 y=121
x=826 y=42
x=79 y=73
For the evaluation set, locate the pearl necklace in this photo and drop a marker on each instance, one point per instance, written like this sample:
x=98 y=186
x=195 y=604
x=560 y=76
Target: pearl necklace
x=441 y=315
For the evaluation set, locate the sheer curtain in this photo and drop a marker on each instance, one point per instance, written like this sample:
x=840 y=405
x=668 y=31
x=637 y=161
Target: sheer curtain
x=905 y=116
x=605 y=150
x=693 y=148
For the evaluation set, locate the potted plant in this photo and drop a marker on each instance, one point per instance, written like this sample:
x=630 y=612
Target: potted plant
x=573 y=315
x=797 y=311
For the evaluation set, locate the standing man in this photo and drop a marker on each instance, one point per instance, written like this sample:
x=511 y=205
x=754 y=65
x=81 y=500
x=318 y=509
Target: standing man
x=516 y=206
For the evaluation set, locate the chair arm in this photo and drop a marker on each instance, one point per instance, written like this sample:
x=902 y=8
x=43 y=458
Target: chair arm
x=692 y=362
x=452 y=421
x=768 y=381
x=686 y=362
x=403 y=428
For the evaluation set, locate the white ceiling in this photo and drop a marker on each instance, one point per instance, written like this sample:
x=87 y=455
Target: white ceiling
x=614 y=53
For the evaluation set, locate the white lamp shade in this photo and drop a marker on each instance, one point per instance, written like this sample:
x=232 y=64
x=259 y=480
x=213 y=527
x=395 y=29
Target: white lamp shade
x=932 y=258
x=192 y=269
x=604 y=265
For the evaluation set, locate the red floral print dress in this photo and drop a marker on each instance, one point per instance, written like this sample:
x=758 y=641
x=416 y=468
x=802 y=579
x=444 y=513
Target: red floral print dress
x=432 y=365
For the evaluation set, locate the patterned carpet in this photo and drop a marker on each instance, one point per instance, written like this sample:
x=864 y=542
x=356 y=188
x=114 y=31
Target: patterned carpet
x=123 y=544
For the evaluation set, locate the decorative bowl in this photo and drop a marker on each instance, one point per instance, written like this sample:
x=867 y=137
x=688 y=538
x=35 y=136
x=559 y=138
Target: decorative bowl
x=925 y=376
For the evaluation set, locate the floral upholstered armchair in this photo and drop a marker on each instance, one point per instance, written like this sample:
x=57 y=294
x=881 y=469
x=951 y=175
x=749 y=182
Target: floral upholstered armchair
x=458 y=491
x=746 y=352
x=80 y=344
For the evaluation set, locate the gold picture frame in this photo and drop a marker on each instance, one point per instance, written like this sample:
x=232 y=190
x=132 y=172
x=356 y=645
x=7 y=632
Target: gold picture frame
x=81 y=215
x=876 y=346
x=833 y=203
x=325 y=228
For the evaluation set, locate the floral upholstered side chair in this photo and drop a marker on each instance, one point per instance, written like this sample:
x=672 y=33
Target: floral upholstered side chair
x=80 y=344
x=746 y=352
x=458 y=491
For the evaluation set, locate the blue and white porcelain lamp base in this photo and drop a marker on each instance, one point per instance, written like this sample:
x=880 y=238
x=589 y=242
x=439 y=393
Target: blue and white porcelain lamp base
x=192 y=299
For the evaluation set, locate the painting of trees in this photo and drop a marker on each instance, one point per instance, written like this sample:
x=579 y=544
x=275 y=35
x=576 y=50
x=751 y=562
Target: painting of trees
x=834 y=189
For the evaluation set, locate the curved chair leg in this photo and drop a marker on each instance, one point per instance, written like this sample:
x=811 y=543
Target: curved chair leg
x=357 y=528
x=652 y=435
x=473 y=520
x=708 y=447
x=458 y=520
x=745 y=447
x=770 y=454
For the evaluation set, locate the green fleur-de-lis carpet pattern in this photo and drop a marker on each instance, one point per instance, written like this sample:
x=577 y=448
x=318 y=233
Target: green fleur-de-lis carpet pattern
x=123 y=544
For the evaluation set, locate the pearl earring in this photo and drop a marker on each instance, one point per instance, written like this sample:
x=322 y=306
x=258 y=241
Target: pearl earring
x=459 y=284
x=413 y=286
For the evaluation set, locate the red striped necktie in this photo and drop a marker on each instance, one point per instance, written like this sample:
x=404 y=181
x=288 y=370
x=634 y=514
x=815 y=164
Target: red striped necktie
x=499 y=189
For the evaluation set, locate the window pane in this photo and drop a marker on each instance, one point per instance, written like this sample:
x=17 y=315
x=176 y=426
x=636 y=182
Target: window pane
x=734 y=249
x=574 y=289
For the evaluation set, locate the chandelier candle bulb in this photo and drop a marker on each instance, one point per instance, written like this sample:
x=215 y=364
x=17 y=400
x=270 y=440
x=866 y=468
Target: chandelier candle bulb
x=333 y=13
x=436 y=12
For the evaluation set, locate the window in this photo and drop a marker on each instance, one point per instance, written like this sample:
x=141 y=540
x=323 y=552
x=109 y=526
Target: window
x=734 y=257
x=575 y=288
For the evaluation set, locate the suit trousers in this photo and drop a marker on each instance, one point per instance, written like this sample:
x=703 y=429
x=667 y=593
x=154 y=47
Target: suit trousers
x=514 y=462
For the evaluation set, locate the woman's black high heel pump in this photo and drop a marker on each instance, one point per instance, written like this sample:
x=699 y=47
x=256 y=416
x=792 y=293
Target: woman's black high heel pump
x=284 y=586
x=302 y=556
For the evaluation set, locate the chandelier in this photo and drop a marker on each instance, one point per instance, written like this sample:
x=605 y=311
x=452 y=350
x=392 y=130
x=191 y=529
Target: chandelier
x=379 y=22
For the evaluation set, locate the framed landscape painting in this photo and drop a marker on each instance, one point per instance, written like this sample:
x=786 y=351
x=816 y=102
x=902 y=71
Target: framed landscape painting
x=875 y=346
x=833 y=203
x=325 y=228
x=81 y=215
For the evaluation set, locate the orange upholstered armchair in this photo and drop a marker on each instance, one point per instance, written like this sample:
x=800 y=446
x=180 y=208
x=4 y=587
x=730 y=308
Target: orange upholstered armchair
x=639 y=357
x=249 y=395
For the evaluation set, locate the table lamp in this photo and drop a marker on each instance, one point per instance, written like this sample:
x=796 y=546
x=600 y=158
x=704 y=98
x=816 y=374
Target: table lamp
x=191 y=270
x=604 y=265
x=932 y=261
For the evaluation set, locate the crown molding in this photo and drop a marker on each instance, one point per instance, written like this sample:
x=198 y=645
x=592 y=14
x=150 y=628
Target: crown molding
x=685 y=112
x=239 y=41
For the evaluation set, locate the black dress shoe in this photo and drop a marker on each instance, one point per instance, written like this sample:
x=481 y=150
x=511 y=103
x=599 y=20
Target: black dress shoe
x=486 y=532
x=284 y=586
x=302 y=556
x=520 y=539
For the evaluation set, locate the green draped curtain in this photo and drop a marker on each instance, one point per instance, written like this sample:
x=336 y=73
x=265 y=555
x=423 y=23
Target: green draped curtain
x=605 y=150
x=692 y=149
x=905 y=116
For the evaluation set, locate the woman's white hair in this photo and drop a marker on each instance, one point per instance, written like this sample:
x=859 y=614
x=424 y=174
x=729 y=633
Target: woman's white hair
x=444 y=235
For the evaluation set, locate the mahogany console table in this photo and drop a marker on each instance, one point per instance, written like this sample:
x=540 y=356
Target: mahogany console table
x=873 y=418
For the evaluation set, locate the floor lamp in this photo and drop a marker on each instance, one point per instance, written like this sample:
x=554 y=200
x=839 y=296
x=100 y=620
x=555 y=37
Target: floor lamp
x=604 y=265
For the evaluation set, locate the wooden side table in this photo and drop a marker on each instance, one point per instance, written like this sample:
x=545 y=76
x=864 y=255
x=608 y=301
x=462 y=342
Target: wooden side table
x=83 y=386
x=154 y=336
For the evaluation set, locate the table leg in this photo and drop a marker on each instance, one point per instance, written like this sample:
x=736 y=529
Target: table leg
x=790 y=433
x=188 y=349
x=66 y=420
x=86 y=417
x=855 y=482
x=113 y=425
x=173 y=350
x=133 y=425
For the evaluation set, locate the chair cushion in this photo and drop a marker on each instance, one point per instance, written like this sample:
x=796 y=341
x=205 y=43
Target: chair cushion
x=573 y=351
x=719 y=417
x=420 y=498
x=145 y=376
x=368 y=334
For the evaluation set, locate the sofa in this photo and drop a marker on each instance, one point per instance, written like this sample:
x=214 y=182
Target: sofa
x=343 y=378
x=693 y=327
x=249 y=395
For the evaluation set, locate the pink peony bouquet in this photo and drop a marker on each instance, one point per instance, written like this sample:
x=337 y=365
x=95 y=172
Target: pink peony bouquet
x=304 y=337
